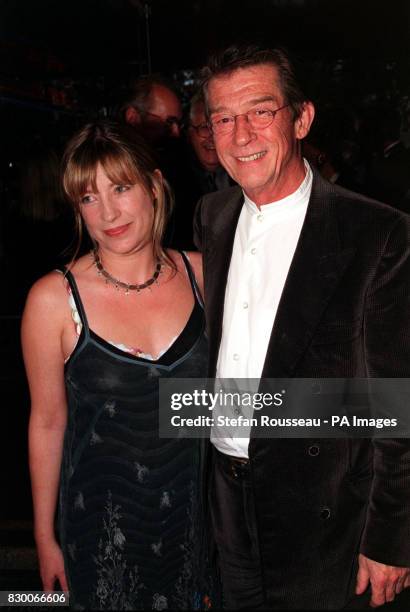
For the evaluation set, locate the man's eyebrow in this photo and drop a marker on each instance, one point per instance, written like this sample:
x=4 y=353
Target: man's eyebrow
x=252 y=102
x=264 y=99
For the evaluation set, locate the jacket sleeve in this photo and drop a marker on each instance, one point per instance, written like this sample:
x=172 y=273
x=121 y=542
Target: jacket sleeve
x=386 y=536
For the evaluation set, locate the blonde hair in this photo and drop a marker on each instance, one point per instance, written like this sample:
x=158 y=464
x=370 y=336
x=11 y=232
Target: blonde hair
x=125 y=158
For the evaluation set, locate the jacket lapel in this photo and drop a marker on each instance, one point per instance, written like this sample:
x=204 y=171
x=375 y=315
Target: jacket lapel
x=316 y=268
x=220 y=239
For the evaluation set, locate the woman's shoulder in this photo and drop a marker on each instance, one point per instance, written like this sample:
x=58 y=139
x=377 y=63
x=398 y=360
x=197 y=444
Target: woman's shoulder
x=47 y=287
x=51 y=290
x=46 y=303
x=195 y=262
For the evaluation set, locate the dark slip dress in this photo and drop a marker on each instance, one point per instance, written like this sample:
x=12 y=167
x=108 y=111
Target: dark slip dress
x=129 y=508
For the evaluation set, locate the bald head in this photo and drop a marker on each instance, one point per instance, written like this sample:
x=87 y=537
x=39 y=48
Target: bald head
x=155 y=110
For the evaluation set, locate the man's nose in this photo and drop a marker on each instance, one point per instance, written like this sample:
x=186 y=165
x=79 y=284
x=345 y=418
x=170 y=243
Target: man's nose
x=242 y=131
x=175 y=129
x=209 y=138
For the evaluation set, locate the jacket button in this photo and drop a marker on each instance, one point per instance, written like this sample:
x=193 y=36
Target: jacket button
x=325 y=514
x=313 y=450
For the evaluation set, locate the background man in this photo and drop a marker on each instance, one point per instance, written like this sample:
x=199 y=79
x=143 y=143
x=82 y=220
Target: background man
x=302 y=279
x=155 y=110
x=201 y=173
x=210 y=175
x=153 y=107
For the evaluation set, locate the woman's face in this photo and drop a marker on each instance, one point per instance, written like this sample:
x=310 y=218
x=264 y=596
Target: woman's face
x=118 y=216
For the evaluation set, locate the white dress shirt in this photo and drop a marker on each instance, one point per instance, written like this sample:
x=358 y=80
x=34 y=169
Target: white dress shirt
x=264 y=246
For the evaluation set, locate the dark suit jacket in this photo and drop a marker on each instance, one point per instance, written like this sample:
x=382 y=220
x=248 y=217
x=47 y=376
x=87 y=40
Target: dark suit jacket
x=344 y=312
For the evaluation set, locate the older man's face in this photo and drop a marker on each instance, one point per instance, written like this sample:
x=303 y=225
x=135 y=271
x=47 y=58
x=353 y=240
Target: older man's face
x=200 y=137
x=265 y=162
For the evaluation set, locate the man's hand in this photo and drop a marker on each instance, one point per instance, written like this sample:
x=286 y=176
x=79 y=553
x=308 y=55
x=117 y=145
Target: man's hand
x=386 y=581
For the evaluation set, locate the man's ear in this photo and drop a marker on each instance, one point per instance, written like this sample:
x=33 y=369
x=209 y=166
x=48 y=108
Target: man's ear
x=305 y=120
x=132 y=116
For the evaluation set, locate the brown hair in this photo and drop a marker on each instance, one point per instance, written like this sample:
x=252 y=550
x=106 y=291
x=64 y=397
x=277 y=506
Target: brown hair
x=126 y=158
x=235 y=57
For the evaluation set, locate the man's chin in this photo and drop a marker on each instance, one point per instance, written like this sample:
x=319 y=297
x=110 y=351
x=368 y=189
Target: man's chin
x=210 y=163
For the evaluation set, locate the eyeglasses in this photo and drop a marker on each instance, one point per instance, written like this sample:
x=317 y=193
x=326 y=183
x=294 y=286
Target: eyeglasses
x=170 y=121
x=258 y=119
x=202 y=129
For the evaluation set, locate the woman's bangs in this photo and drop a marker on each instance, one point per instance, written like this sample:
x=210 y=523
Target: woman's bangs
x=118 y=165
x=120 y=169
x=81 y=175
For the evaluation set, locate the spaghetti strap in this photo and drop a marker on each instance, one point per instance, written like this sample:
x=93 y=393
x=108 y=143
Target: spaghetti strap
x=191 y=275
x=77 y=299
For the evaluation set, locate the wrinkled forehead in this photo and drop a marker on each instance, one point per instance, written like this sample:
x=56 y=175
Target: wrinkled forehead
x=260 y=81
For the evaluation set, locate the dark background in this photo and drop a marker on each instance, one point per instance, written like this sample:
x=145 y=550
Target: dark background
x=100 y=37
x=63 y=62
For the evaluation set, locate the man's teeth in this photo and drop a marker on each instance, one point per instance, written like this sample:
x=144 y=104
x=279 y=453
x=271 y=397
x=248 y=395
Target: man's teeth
x=252 y=157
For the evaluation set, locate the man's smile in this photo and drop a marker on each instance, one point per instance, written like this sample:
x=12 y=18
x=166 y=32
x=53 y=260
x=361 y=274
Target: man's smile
x=253 y=157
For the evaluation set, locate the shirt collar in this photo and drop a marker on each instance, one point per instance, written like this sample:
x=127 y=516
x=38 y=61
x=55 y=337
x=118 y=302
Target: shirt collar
x=299 y=196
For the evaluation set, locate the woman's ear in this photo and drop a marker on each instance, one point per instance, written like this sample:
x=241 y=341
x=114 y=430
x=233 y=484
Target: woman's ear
x=157 y=182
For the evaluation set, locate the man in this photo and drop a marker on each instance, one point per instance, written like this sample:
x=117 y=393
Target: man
x=302 y=279
x=209 y=174
x=201 y=173
x=154 y=109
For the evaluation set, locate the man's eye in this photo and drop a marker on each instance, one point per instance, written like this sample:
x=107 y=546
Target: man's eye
x=261 y=112
x=222 y=120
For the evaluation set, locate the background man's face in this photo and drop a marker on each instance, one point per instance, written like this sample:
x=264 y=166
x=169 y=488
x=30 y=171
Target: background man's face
x=265 y=162
x=163 y=114
x=202 y=144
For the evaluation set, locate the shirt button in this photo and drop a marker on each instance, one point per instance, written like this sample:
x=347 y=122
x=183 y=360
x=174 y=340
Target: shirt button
x=235 y=356
x=313 y=450
x=245 y=304
x=253 y=251
x=325 y=514
x=260 y=218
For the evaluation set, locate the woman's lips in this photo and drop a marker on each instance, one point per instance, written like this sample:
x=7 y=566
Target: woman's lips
x=117 y=231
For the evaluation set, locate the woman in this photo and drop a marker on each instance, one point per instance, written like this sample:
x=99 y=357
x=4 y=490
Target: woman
x=96 y=340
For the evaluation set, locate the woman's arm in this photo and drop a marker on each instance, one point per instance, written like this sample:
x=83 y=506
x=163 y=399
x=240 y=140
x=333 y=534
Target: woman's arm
x=42 y=329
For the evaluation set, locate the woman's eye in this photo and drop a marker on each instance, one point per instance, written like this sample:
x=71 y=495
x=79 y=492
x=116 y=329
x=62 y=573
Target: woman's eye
x=87 y=199
x=121 y=188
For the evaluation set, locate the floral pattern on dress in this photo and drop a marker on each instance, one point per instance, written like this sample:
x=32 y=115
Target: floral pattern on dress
x=117 y=585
